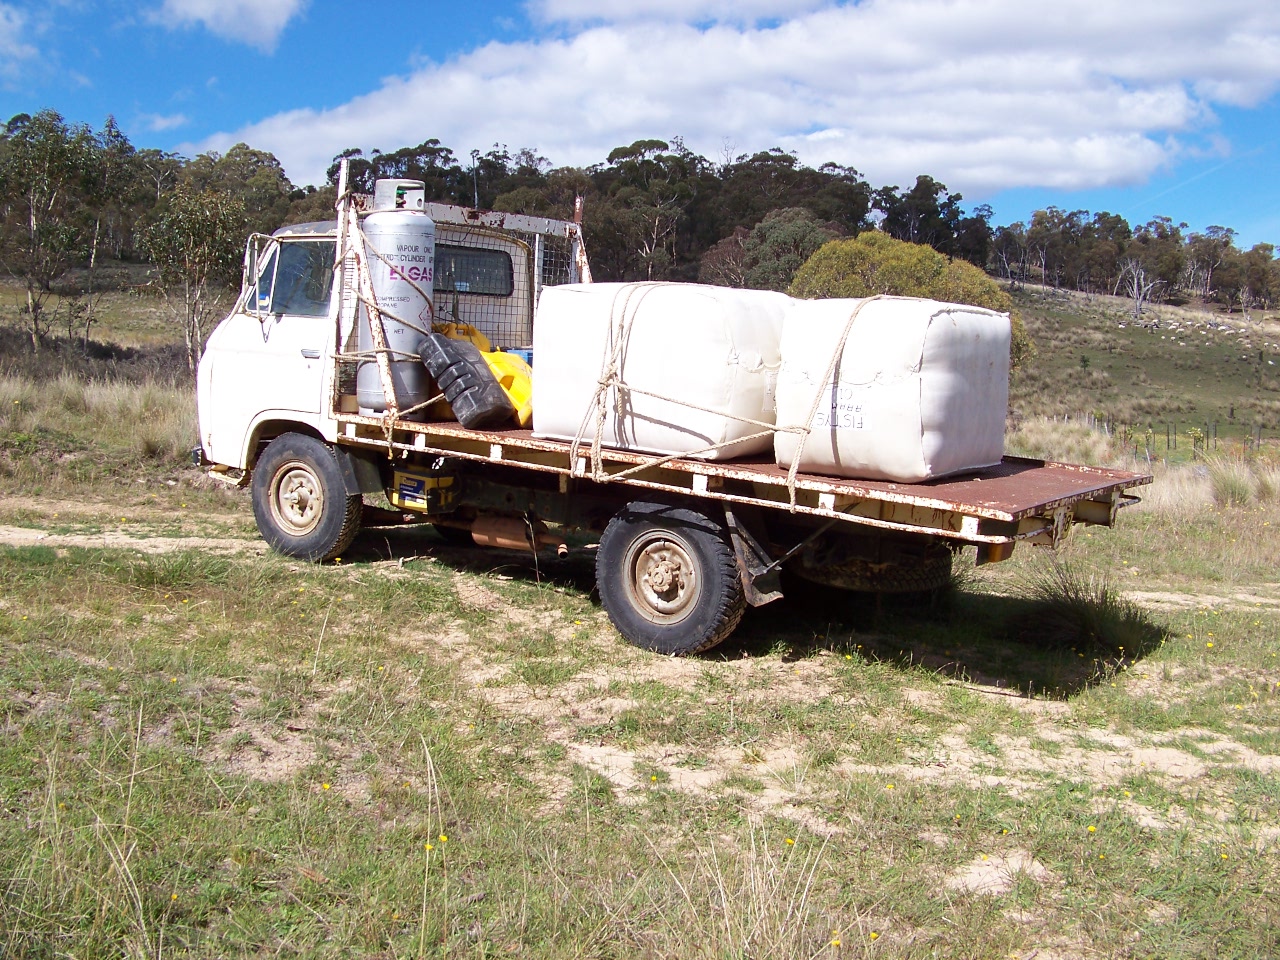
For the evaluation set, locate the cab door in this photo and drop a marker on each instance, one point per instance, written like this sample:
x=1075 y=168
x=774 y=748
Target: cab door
x=293 y=313
x=270 y=355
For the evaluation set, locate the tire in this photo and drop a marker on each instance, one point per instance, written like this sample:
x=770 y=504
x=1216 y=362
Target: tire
x=300 y=502
x=668 y=579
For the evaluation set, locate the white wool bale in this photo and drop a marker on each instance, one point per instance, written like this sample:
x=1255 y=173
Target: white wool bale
x=920 y=390
x=709 y=355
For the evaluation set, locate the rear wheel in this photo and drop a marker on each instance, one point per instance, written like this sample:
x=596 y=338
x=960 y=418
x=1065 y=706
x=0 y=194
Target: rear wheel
x=668 y=579
x=299 y=500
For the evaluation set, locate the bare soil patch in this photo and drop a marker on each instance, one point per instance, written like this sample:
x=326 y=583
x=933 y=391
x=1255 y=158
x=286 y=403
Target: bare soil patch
x=117 y=539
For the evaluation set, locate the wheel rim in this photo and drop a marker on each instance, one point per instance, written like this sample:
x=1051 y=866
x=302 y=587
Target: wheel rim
x=297 y=498
x=662 y=581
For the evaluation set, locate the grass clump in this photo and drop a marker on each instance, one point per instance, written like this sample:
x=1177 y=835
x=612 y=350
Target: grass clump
x=1237 y=482
x=1068 y=608
x=1232 y=482
x=1062 y=439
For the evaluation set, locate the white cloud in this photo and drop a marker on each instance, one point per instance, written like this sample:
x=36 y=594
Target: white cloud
x=157 y=122
x=687 y=11
x=13 y=48
x=255 y=22
x=981 y=94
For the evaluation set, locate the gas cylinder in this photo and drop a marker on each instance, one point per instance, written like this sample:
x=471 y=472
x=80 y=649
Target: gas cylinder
x=399 y=248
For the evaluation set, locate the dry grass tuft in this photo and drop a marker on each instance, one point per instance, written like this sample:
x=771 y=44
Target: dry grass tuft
x=148 y=422
x=1066 y=440
x=1068 y=608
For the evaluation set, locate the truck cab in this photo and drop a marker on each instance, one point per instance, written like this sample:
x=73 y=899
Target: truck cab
x=268 y=368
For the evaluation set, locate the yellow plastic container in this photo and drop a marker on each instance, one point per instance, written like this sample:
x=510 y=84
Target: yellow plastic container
x=512 y=373
x=516 y=380
x=463 y=331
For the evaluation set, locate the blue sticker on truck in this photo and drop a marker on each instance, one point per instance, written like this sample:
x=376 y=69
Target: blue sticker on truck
x=412 y=490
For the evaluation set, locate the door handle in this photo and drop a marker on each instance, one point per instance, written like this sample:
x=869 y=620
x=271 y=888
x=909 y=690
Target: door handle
x=310 y=354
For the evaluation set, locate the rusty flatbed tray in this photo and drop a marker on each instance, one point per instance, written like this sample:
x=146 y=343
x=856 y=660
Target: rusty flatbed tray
x=1012 y=490
x=1017 y=487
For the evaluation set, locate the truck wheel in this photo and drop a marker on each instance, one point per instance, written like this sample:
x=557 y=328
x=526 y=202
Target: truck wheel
x=299 y=500
x=668 y=579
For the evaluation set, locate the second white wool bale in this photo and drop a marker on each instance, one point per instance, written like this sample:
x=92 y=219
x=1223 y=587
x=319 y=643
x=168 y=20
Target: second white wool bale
x=920 y=389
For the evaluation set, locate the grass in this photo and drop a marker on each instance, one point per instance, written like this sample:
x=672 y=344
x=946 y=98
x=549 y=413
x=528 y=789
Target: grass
x=121 y=429
x=1197 y=369
x=209 y=750
x=1080 y=611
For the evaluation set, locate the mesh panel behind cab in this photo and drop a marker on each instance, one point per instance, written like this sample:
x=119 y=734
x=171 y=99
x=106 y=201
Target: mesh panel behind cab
x=494 y=291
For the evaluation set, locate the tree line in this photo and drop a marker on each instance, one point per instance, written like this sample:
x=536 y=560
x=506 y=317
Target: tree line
x=1158 y=261
x=72 y=198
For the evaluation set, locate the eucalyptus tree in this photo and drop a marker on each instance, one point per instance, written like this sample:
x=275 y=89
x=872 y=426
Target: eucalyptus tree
x=195 y=240
x=46 y=168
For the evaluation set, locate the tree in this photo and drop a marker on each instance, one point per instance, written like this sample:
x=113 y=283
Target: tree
x=195 y=242
x=1011 y=253
x=110 y=202
x=648 y=184
x=926 y=214
x=779 y=244
x=873 y=263
x=1205 y=253
x=160 y=169
x=310 y=205
x=1248 y=278
x=1104 y=241
x=1136 y=283
x=1159 y=246
x=44 y=168
x=254 y=177
x=724 y=264
x=750 y=186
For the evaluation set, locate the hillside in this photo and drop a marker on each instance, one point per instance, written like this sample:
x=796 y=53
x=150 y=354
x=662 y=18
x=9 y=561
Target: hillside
x=1182 y=366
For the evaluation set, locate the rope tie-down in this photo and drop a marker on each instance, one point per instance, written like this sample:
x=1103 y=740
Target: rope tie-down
x=623 y=310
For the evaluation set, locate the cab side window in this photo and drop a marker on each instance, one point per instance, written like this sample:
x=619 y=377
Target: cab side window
x=297 y=279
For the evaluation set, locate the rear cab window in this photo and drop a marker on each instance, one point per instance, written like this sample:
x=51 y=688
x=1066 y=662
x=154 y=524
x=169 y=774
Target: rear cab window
x=473 y=270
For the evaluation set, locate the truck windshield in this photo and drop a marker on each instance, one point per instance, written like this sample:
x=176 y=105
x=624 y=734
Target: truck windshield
x=298 y=278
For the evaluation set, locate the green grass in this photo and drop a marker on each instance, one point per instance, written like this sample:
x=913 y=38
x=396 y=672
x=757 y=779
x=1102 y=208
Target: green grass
x=210 y=751
x=173 y=721
x=130 y=314
x=1188 y=376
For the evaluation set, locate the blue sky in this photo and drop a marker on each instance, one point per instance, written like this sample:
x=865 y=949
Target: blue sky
x=1167 y=107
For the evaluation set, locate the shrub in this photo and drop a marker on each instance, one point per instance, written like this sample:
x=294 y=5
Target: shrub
x=1232 y=482
x=873 y=263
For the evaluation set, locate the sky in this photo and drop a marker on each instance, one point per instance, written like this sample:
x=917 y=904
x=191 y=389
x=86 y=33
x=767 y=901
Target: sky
x=1146 y=108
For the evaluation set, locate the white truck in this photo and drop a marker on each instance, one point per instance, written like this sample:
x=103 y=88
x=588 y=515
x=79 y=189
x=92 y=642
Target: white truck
x=683 y=545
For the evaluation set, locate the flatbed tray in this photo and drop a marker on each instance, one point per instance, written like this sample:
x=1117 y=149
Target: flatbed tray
x=1015 y=489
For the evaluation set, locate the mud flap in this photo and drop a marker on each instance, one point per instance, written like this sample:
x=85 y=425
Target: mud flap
x=761 y=579
x=360 y=473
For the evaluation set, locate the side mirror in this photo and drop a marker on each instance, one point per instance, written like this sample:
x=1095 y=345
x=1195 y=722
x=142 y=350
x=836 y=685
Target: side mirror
x=250 y=282
x=257 y=295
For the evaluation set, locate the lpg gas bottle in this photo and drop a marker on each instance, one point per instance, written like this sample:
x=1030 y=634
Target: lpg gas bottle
x=399 y=247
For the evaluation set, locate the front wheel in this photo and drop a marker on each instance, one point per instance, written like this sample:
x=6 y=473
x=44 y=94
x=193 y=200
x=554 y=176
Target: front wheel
x=668 y=579
x=299 y=500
